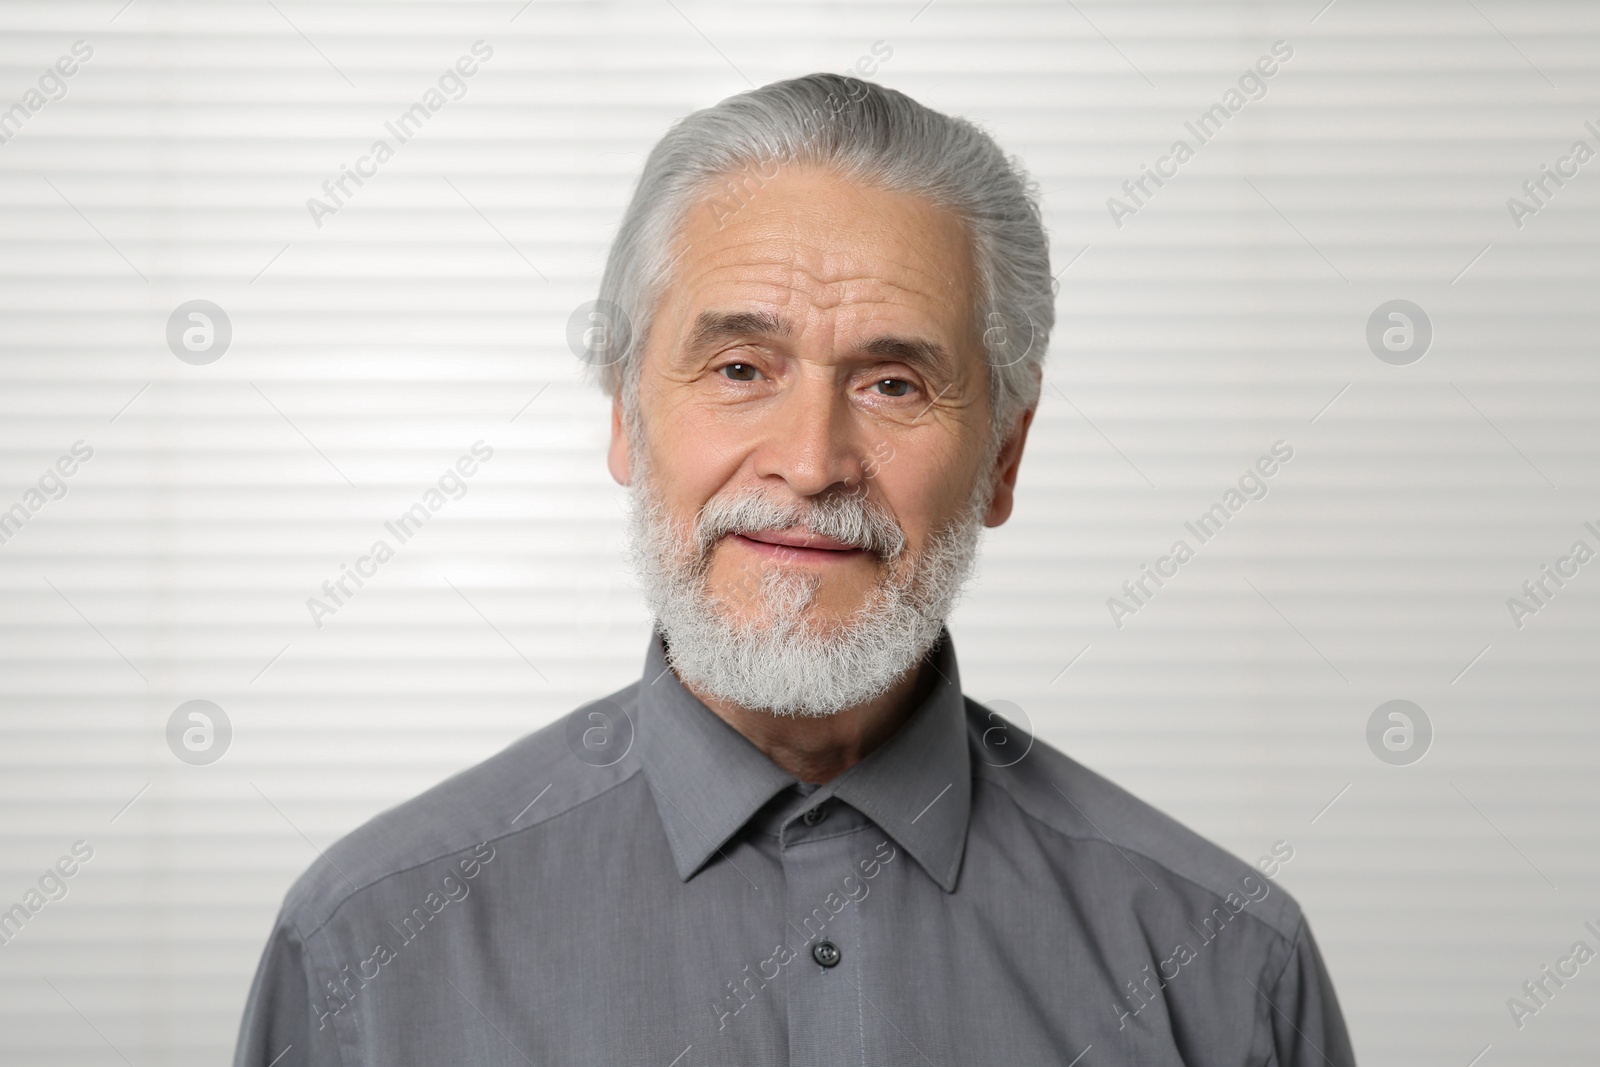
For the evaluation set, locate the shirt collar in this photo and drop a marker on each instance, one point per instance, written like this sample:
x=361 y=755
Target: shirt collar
x=709 y=780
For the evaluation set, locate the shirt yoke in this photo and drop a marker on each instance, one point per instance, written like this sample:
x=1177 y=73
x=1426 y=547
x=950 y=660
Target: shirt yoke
x=490 y=801
x=485 y=802
x=1068 y=798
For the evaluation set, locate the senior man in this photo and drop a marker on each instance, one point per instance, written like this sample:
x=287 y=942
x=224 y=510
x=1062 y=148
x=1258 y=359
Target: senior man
x=793 y=840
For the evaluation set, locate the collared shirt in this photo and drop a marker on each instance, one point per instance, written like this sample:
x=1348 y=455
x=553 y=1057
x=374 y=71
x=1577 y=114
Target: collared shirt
x=638 y=884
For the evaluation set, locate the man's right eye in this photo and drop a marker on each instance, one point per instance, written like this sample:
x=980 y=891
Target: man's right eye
x=740 y=372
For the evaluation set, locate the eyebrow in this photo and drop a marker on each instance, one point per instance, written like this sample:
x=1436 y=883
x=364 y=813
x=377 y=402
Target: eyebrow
x=714 y=327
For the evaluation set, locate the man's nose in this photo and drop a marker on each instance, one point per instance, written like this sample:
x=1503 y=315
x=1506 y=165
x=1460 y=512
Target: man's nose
x=809 y=439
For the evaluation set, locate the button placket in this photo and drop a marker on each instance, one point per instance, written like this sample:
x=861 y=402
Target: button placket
x=826 y=926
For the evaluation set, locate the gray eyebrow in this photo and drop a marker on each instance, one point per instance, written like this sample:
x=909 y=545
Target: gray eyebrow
x=925 y=355
x=711 y=327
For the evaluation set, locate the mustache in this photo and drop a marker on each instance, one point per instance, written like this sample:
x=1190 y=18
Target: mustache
x=845 y=517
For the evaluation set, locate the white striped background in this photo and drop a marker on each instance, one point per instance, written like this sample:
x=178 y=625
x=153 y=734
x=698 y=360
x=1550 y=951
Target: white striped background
x=430 y=313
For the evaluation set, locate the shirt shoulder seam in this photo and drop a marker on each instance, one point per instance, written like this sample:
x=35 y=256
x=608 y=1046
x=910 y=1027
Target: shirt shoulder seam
x=1059 y=832
x=308 y=965
x=1294 y=945
x=306 y=935
x=1288 y=958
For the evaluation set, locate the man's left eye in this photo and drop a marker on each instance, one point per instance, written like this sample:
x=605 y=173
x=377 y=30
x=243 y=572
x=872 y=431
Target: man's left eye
x=893 y=387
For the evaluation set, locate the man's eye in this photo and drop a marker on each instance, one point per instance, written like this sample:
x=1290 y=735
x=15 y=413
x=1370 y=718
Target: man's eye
x=740 y=372
x=893 y=387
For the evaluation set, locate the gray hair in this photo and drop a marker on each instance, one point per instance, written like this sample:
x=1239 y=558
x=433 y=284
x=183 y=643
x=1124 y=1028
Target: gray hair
x=863 y=132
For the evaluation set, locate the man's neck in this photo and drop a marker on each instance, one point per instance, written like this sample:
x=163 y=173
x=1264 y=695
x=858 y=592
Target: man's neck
x=820 y=748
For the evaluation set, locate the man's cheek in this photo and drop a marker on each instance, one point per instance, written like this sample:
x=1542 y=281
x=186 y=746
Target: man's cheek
x=695 y=454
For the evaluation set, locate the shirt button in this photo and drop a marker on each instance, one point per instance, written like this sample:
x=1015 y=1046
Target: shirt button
x=825 y=953
x=814 y=815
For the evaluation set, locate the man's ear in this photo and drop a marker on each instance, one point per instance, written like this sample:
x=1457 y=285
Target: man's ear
x=1008 y=462
x=620 y=457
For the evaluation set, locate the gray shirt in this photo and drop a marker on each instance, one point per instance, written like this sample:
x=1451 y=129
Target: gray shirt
x=638 y=884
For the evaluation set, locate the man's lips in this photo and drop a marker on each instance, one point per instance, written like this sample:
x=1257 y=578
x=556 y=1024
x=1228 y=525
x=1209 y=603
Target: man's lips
x=797 y=544
x=799 y=539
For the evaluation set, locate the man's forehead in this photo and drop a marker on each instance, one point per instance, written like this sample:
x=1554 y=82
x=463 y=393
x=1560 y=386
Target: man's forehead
x=824 y=271
x=830 y=241
x=891 y=273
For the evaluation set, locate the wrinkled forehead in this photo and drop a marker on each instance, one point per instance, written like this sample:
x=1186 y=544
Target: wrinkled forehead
x=812 y=255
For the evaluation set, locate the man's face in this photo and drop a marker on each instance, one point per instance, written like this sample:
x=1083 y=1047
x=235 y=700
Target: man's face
x=818 y=342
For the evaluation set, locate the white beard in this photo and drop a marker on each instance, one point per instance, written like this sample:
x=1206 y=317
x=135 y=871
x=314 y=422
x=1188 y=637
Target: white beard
x=778 y=658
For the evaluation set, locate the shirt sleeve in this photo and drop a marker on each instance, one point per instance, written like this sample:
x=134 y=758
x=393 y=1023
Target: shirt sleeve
x=279 y=1028
x=1307 y=1026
